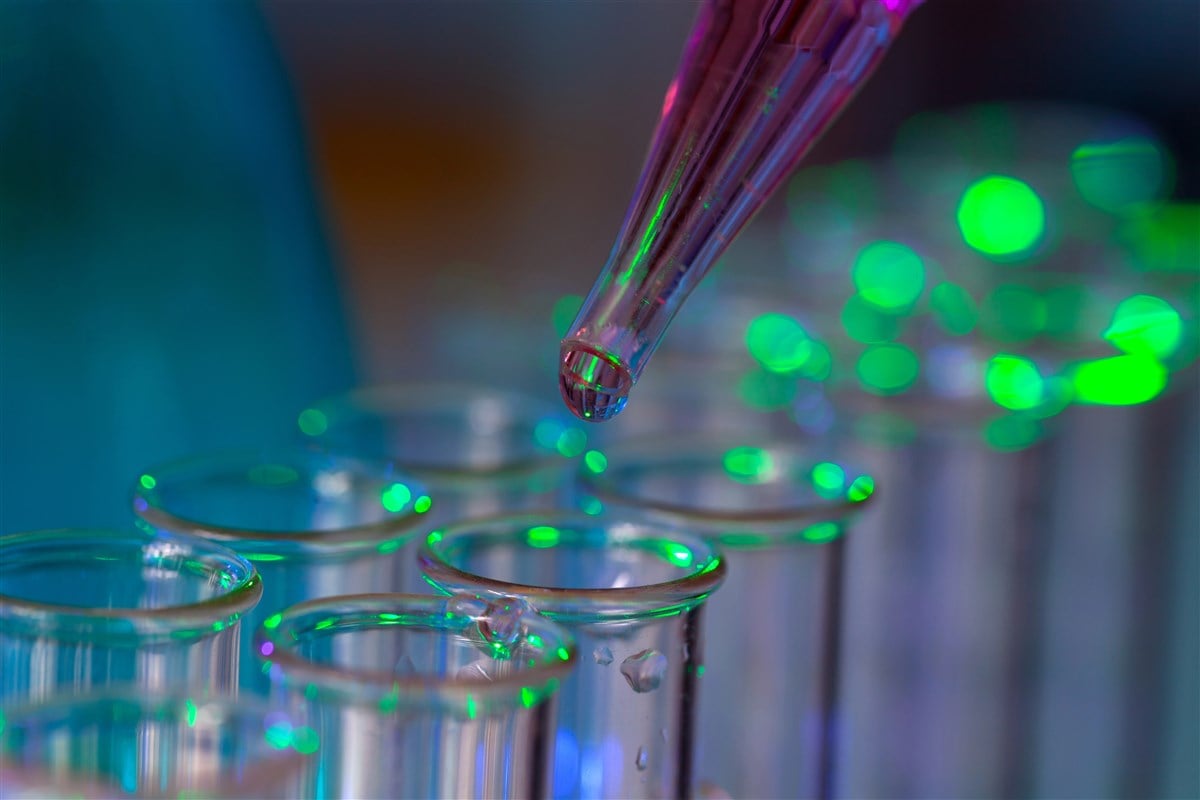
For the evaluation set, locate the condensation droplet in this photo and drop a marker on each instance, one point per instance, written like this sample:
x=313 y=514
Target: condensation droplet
x=603 y=656
x=663 y=733
x=645 y=670
x=503 y=620
x=642 y=759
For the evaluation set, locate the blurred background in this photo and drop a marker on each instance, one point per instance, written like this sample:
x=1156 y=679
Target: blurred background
x=213 y=213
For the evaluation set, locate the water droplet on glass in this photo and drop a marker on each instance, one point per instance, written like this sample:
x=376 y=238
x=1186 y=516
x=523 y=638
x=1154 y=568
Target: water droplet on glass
x=644 y=671
x=603 y=656
x=502 y=621
x=641 y=759
x=663 y=733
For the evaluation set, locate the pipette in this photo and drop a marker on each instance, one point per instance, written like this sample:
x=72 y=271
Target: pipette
x=759 y=81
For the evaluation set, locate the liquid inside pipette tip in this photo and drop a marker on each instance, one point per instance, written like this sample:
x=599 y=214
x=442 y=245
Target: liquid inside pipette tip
x=594 y=387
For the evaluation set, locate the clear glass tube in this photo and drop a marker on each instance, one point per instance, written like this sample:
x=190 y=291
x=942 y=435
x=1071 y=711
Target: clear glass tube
x=89 y=608
x=314 y=524
x=778 y=511
x=632 y=592
x=758 y=83
x=419 y=695
x=480 y=452
x=125 y=743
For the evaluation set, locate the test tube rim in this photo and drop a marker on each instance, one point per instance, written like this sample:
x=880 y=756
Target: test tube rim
x=437 y=396
x=675 y=448
x=605 y=605
x=357 y=685
x=131 y=625
x=398 y=527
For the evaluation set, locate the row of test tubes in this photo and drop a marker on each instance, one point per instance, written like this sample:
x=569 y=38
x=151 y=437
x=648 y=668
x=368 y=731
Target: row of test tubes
x=437 y=593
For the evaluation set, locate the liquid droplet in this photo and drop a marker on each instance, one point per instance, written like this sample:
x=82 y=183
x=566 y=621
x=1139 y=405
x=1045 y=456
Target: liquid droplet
x=603 y=656
x=642 y=759
x=594 y=388
x=503 y=621
x=645 y=670
x=663 y=733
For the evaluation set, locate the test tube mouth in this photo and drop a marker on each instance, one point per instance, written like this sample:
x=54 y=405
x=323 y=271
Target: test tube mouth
x=291 y=502
x=267 y=745
x=742 y=491
x=613 y=568
x=456 y=655
x=451 y=433
x=131 y=587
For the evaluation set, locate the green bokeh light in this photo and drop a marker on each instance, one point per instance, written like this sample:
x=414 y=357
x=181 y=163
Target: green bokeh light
x=749 y=465
x=778 y=342
x=1146 y=325
x=889 y=275
x=422 y=504
x=395 y=497
x=272 y=622
x=1122 y=175
x=861 y=488
x=766 y=391
x=867 y=323
x=888 y=368
x=822 y=532
x=1014 y=382
x=312 y=422
x=1012 y=432
x=828 y=478
x=595 y=461
x=1001 y=217
x=1119 y=381
x=1013 y=313
x=571 y=442
x=566 y=308
x=953 y=308
x=147 y=481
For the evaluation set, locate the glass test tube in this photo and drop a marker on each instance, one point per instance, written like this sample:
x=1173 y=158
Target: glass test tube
x=315 y=524
x=479 y=452
x=418 y=695
x=88 y=608
x=123 y=743
x=632 y=592
x=778 y=511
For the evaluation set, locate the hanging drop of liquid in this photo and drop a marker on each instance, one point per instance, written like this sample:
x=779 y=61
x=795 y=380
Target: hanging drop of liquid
x=644 y=671
x=642 y=759
x=603 y=656
x=501 y=623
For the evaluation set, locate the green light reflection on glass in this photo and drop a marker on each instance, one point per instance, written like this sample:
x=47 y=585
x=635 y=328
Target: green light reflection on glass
x=678 y=554
x=388 y=617
x=279 y=735
x=1014 y=382
x=1121 y=175
x=535 y=641
x=563 y=654
x=861 y=488
x=325 y=624
x=1146 y=325
x=1001 y=217
x=778 y=342
x=566 y=308
x=472 y=710
x=190 y=706
x=312 y=422
x=433 y=538
x=953 y=308
x=595 y=461
x=528 y=697
x=305 y=740
x=828 y=478
x=889 y=275
x=543 y=536
x=591 y=506
x=422 y=504
x=147 y=481
x=272 y=622
x=821 y=532
x=867 y=323
x=748 y=464
x=888 y=368
x=395 y=497
x=1119 y=381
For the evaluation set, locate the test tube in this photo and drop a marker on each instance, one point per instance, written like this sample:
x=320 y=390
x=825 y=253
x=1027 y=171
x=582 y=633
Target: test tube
x=315 y=524
x=418 y=695
x=126 y=743
x=632 y=592
x=779 y=511
x=479 y=451
x=758 y=84
x=89 y=608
